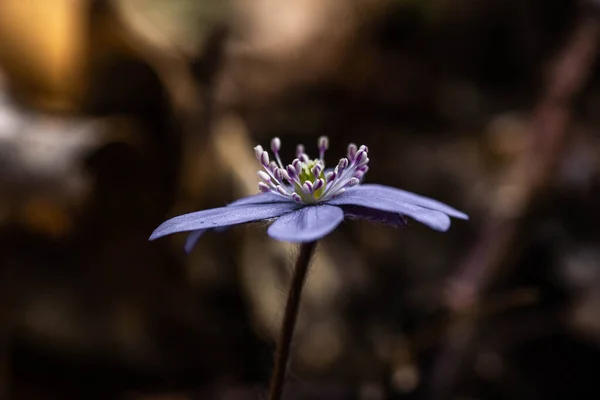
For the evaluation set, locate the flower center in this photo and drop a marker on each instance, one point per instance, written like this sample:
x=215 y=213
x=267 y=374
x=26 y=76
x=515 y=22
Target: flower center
x=307 y=175
x=305 y=180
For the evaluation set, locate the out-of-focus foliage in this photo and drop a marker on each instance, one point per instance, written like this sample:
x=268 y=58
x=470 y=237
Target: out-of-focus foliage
x=115 y=115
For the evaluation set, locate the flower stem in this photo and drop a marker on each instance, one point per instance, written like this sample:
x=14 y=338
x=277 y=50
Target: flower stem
x=289 y=320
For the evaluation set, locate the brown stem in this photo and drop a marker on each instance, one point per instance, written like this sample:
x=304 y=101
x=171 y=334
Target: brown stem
x=289 y=320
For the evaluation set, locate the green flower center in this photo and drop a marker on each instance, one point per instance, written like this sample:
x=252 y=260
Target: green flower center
x=306 y=175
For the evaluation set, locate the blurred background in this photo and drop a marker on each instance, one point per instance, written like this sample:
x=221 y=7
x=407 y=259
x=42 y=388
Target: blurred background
x=115 y=115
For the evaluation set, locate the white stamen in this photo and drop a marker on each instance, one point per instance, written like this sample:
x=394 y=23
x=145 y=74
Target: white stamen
x=330 y=176
x=298 y=166
x=353 y=182
x=264 y=158
x=263 y=187
x=343 y=163
x=264 y=176
x=278 y=174
x=282 y=191
x=323 y=145
x=318 y=184
x=291 y=171
x=351 y=151
x=258 y=150
x=307 y=187
x=275 y=145
x=361 y=155
x=316 y=170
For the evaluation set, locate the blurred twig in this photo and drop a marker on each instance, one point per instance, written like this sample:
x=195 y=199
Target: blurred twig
x=189 y=83
x=530 y=173
x=169 y=63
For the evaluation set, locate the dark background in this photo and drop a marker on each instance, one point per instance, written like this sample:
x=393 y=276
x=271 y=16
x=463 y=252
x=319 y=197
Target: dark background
x=115 y=115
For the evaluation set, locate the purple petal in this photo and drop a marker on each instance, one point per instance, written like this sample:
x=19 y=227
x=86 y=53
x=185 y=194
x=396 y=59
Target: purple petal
x=373 y=215
x=222 y=216
x=259 y=198
x=307 y=224
x=408 y=197
x=192 y=239
x=380 y=200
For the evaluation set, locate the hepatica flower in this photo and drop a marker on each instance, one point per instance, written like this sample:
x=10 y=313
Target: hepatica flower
x=306 y=201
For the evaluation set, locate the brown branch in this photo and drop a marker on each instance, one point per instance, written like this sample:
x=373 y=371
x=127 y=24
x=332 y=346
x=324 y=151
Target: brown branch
x=529 y=175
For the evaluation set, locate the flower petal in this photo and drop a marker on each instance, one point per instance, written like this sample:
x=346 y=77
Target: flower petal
x=374 y=215
x=409 y=197
x=192 y=239
x=307 y=224
x=194 y=236
x=223 y=216
x=383 y=201
x=259 y=198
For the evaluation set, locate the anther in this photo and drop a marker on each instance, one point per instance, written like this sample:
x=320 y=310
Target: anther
x=282 y=191
x=258 y=150
x=307 y=187
x=264 y=176
x=363 y=162
x=275 y=144
x=343 y=163
x=316 y=170
x=351 y=151
x=264 y=158
x=360 y=156
x=330 y=176
x=297 y=165
x=263 y=187
x=353 y=182
x=323 y=145
x=299 y=150
x=318 y=184
x=291 y=171
x=278 y=173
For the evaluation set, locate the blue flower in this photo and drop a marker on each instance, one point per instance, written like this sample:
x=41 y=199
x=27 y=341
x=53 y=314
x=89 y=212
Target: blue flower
x=307 y=201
